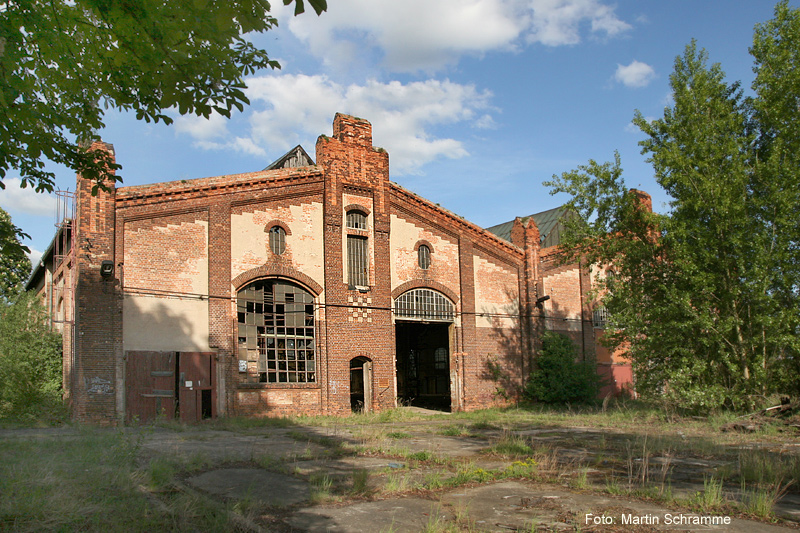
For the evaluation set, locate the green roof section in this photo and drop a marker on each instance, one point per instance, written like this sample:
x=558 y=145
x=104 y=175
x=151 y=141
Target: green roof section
x=546 y=221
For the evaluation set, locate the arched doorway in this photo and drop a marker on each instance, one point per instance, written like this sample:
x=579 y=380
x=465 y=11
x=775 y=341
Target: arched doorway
x=360 y=385
x=423 y=319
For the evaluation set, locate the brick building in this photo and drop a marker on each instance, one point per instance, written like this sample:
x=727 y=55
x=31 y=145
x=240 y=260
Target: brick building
x=303 y=288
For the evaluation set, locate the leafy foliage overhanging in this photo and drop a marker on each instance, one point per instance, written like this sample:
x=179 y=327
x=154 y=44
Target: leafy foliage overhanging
x=706 y=299
x=63 y=62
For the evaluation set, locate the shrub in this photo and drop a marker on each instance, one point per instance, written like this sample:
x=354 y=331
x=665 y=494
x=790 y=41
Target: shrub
x=558 y=377
x=30 y=361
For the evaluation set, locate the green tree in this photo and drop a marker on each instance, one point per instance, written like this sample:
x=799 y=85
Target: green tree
x=30 y=361
x=559 y=377
x=64 y=62
x=705 y=298
x=14 y=264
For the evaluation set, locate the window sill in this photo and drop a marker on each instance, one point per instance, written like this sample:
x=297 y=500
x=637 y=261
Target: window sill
x=259 y=386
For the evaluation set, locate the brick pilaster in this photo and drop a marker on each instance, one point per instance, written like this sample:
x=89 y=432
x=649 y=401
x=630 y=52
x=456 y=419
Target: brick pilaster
x=98 y=317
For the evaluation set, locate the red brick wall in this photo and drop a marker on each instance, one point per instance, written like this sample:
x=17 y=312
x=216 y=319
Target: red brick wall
x=167 y=253
x=355 y=169
x=98 y=319
x=161 y=232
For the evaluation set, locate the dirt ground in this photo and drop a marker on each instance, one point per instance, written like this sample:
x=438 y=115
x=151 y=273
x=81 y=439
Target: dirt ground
x=436 y=474
x=405 y=469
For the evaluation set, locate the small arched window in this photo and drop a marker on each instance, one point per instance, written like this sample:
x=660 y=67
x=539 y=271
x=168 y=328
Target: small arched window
x=356 y=220
x=277 y=240
x=424 y=257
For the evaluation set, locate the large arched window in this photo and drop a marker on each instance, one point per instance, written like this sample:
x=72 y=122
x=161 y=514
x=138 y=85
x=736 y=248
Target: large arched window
x=424 y=304
x=276 y=332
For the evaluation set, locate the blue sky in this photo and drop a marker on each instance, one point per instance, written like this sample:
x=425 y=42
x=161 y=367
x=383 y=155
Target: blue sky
x=477 y=101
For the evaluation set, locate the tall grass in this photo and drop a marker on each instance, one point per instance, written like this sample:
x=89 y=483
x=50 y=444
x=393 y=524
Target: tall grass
x=90 y=482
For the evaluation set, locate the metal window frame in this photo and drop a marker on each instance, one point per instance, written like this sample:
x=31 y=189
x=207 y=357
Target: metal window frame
x=356 y=220
x=424 y=257
x=358 y=260
x=277 y=331
x=424 y=304
x=277 y=240
x=600 y=317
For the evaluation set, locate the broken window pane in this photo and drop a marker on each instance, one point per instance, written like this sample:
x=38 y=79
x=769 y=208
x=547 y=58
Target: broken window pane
x=273 y=345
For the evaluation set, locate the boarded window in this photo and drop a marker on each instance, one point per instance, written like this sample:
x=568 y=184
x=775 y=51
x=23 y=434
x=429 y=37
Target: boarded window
x=424 y=257
x=276 y=333
x=357 y=261
x=277 y=240
x=424 y=304
x=356 y=220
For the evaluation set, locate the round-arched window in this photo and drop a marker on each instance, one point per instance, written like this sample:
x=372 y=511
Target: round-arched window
x=424 y=304
x=277 y=240
x=424 y=257
x=276 y=332
x=356 y=220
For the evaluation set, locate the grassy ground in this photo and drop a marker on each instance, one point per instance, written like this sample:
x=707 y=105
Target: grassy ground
x=93 y=480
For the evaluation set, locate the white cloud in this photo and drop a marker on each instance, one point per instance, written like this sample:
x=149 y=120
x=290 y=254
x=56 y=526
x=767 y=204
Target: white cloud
x=16 y=199
x=415 y=35
x=558 y=22
x=202 y=129
x=403 y=115
x=212 y=134
x=636 y=75
x=35 y=256
x=290 y=109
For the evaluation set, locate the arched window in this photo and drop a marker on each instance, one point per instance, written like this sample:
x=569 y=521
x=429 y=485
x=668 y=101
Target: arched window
x=424 y=304
x=276 y=332
x=424 y=257
x=356 y=220
x=277 y=240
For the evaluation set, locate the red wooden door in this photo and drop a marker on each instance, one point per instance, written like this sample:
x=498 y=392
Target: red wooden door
x=149 y=385
x=198 y=395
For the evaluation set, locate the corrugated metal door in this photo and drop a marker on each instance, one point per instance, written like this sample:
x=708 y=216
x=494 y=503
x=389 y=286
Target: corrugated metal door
x=149 y=385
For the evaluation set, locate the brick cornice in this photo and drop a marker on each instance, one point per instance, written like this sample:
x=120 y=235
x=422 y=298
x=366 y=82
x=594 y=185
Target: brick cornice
x=459 y=224
x=276 y=270
x=204 y=187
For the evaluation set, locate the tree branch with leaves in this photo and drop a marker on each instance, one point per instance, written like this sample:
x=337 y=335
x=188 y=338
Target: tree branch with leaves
x=63 y=63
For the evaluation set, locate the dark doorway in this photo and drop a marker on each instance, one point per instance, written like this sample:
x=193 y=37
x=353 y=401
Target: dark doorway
x=360 y=385
x=423 y=364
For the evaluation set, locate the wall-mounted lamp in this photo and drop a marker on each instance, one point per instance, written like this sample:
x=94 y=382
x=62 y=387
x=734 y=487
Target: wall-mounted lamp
x=540 y=301
x=107 y=269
